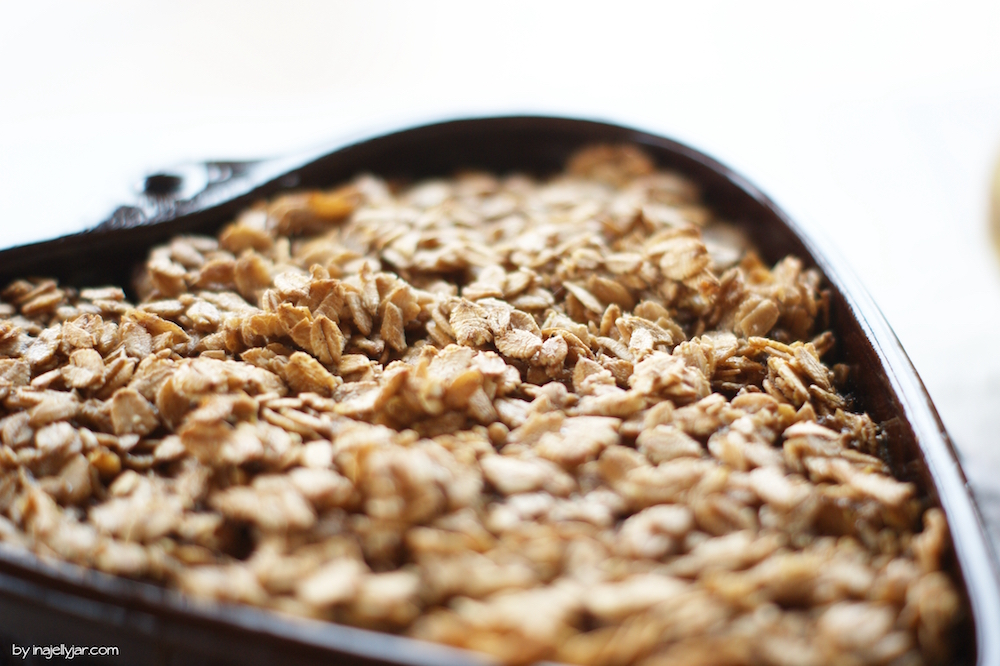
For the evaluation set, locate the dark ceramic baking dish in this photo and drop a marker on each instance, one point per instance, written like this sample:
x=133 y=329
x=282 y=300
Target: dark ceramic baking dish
x=45 y=603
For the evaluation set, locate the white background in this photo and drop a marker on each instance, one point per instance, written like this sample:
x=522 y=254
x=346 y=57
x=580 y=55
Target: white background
x=878 y=126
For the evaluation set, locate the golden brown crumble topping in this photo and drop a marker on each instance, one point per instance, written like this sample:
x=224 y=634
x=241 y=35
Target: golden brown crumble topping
x=575 y=419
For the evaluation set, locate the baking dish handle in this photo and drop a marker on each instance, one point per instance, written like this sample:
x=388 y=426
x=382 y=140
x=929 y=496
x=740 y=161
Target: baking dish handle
x=168 y=193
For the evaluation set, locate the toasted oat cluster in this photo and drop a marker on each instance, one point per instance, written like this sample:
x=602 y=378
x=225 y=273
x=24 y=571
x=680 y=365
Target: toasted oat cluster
x=575 y=419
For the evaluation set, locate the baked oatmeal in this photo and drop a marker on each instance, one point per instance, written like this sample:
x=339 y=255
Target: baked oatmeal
x=574 y=419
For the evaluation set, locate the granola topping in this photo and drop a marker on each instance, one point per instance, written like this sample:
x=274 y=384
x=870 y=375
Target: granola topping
x=576 y=420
